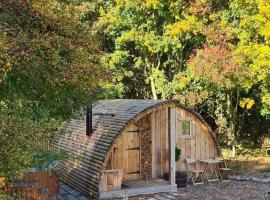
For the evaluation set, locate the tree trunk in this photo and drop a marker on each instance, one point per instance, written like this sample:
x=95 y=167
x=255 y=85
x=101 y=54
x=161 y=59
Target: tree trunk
x=153 y=89
x=150 y=67
x=233 y=130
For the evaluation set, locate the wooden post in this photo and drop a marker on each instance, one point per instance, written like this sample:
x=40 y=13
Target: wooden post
x=172 y=144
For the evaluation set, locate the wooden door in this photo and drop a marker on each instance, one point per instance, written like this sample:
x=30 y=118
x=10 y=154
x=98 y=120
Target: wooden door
x=126 y=154
x=132 y=152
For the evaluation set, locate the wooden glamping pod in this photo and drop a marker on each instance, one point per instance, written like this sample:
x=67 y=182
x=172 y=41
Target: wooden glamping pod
x=131 y=149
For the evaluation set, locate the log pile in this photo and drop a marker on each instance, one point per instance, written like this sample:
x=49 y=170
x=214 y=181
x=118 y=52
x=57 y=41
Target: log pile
x=145 y=138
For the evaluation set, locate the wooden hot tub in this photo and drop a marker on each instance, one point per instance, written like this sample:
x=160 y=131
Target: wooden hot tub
x=34 y=186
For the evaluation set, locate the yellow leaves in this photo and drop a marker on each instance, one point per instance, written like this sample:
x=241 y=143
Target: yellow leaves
x=246 y=83
x=108 y=85
x=246 y=103
x=172 y=5
x=264 y=7
x=264 y=17
x=261 y=61
x=213 y=16
x=245 y=22
x=107 y=18
x=152 y=3
x=178 y=27
x=183 y=81
x=144 y=40
x=182 y=26
x=136 y=3
x=128 y=36
x=266 y=99
x=2 y=181
x=266 y=31
x=3 y=39
x=8 y=66
x=258 y=56
x=117 y=2
x=152 y=41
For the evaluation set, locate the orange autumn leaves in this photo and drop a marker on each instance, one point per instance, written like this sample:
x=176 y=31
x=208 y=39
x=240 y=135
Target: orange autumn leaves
x=216 y=64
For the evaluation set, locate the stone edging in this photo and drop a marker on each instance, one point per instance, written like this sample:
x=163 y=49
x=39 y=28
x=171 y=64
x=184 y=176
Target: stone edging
x=250 y=178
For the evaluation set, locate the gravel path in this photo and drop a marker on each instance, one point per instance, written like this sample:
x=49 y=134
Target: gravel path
x=234 y=190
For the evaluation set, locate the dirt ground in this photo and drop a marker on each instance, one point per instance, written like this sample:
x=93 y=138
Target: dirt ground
x=234 y=190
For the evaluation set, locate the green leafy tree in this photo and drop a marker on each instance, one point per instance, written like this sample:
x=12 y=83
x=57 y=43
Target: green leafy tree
x=229 y=77
x=147 y=43
x=211 y=55
x=48 y=56
x=48 y=70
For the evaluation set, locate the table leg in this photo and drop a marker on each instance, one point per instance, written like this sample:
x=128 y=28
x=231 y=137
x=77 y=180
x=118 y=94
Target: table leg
x=205 y=169
x=218 y=172
x=214 y=175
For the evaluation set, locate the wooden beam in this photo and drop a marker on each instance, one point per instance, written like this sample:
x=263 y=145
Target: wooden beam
x=138 y=191
x=172 y=145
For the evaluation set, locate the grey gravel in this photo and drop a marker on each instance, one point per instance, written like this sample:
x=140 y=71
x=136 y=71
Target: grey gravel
x=233 y=190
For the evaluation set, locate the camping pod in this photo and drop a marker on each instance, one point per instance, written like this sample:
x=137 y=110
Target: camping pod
x=131 y=149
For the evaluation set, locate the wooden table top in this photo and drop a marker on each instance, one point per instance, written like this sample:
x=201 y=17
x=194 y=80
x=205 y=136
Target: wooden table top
x=210 y=161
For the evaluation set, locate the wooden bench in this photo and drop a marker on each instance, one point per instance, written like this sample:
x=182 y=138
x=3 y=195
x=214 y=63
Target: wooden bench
x=112 y=179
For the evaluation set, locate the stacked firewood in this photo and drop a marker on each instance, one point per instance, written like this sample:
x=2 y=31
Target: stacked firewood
x=145 y=138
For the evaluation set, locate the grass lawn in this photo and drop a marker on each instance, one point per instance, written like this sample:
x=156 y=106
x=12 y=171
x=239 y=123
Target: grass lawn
x=258 y=166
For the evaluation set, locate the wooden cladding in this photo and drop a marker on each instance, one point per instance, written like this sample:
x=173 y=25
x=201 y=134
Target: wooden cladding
x=199 y=145
x=160 y=143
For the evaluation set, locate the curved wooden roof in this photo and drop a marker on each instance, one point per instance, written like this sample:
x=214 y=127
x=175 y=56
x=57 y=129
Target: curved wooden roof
x=83 y=172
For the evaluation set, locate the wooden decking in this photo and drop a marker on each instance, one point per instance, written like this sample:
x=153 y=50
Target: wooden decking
x=143 y=183
x=140 y=187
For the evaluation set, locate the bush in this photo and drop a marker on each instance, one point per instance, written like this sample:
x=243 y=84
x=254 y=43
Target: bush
x=244 y=152
x=22 y=141
x=6 y=197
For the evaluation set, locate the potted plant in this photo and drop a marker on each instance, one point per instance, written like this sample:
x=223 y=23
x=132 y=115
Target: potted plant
x=180 y=176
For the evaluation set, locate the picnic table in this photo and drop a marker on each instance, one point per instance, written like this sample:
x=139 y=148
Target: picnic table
x=211 y=166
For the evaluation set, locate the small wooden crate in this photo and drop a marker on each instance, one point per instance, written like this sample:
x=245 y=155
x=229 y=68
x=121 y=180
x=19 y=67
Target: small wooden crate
x=112 y=179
